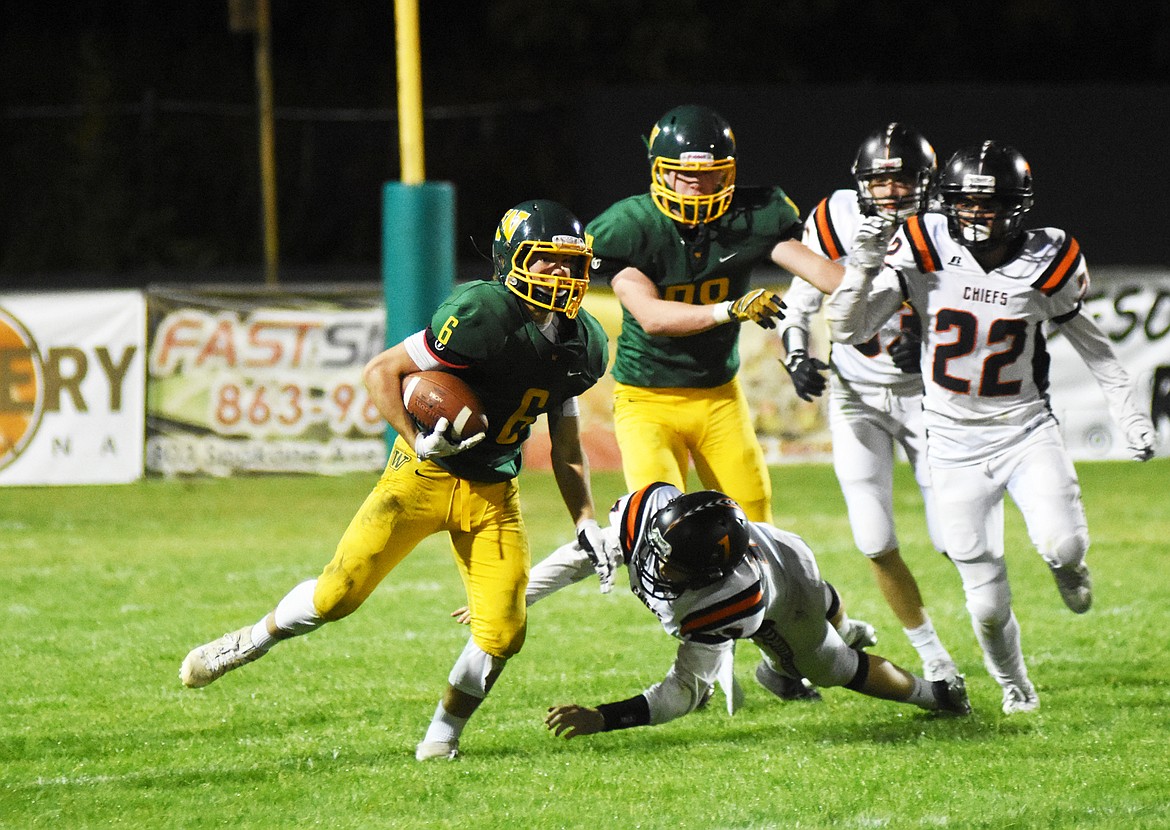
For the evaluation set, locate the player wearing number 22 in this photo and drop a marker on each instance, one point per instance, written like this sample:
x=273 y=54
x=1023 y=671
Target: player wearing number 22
x=989 y=292
x=524 y=345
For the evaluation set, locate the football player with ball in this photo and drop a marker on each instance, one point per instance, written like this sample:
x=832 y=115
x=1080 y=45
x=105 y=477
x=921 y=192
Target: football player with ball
x=524 y=346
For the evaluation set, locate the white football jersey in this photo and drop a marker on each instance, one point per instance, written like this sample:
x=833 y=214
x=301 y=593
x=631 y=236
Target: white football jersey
x=985 y=362
x=775 y=596
x=829 y=231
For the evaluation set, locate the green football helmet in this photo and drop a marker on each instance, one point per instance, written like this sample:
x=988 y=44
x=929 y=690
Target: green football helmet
x=539 y=229
x=692 y=139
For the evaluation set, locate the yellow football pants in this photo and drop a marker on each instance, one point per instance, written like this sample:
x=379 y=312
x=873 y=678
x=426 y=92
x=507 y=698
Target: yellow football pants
x=661 y=430
x=414 y=499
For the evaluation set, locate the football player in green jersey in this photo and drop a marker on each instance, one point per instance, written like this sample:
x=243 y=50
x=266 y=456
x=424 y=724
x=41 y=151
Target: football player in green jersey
x=680 y=259
x=525 y=346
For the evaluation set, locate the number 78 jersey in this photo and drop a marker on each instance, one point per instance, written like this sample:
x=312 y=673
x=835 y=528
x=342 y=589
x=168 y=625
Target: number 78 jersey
x=984 y=360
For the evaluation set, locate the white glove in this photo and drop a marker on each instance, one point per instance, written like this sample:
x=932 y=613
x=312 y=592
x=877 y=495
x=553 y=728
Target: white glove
x=602 y=549
x=870 y=243
x=1139 y=435
x=435 y=444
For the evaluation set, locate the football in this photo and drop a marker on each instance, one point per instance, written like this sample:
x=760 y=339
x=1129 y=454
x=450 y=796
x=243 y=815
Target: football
x=432 y=395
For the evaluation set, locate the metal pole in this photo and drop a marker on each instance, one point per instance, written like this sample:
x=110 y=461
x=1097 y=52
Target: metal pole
x=410 y=120
x=267 y=140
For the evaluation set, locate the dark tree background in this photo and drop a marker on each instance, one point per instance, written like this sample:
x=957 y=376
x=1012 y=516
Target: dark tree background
x=128 y=137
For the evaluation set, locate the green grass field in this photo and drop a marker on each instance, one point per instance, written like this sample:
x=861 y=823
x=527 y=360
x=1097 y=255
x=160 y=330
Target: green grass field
x=106 y=589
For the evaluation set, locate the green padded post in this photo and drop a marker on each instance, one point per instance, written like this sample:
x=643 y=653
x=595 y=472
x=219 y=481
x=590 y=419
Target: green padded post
x=418 y=256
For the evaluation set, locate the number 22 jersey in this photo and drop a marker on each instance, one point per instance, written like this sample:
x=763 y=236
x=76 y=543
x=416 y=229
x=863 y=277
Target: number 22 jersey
x=984 y=361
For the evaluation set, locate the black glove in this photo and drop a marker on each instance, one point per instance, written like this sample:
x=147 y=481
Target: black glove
x=806 y=374
x=906 y=352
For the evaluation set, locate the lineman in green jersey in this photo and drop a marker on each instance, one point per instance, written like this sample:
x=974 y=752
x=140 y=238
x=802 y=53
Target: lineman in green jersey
x=522 y=342
x=680 y=259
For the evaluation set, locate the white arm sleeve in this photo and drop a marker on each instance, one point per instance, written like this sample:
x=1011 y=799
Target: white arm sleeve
x=688 y=680
x=560 y=569
x=1095 y=349
x=861 y=304
x=416 y=347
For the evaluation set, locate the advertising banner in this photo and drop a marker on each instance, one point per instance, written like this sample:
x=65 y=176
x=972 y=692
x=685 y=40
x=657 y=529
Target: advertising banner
x=270 y=382
x=262 y=382
x=1133 y=309
x=72 y=375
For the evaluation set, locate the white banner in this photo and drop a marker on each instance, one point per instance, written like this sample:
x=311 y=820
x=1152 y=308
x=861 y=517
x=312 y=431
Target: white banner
x=1133 y=308
x=72 y=387
x=263 y=382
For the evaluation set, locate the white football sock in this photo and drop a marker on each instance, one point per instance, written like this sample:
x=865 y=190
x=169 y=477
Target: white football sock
x=926 y=642
x=445 y=727
x=260 y=636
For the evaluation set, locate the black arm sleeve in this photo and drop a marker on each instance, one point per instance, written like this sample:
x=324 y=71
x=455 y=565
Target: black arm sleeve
x=623 y=714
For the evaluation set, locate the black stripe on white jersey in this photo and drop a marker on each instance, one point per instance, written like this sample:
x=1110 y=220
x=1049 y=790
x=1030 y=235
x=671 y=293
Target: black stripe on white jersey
x=719 y=615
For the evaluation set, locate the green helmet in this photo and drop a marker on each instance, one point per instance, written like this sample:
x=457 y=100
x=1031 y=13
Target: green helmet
x=536 y=230
x=689 y=140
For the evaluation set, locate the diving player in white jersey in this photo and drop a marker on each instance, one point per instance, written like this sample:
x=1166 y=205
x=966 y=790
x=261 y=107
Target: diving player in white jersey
x=986 y=289
x=874 y=406
x=712 y=577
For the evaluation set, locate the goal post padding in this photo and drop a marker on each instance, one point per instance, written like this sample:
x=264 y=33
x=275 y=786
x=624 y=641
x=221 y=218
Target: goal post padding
x=418 y=256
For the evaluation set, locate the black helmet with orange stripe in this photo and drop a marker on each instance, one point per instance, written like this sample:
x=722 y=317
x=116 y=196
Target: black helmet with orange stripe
x=985 y=191
x=694 y=541
x=895 y=151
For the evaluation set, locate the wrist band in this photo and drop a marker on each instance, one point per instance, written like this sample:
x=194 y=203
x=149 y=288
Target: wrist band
x=623 y=714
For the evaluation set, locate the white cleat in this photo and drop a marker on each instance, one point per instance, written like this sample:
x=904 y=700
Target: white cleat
x=1076 y=587
x=1018 y=699
x=940 y=668
x=430 y=750
x=212 y=661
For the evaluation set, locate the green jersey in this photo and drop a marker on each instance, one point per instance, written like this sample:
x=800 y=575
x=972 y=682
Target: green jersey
x=484 y=334
x=704 y=265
